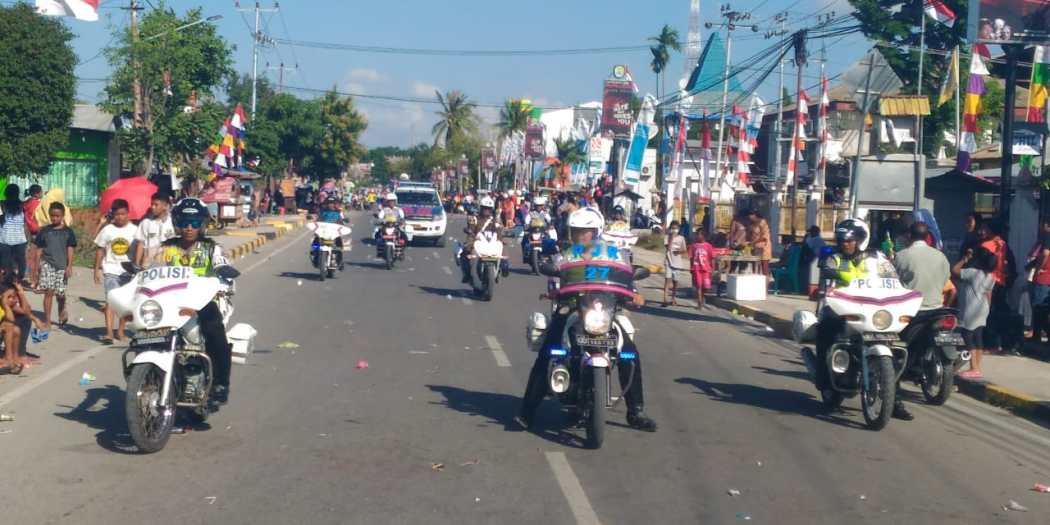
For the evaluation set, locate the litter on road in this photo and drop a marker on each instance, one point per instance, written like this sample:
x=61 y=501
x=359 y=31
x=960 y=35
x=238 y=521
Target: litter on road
x=733 y=492
x=362 y=364
x=437 y=467
x=1039 y=487
x=288 y=345
x=1015 y=506
x=87 y=378
x=7 y=417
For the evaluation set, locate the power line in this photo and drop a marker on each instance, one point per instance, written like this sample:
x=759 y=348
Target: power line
x=460 y=52
x=405 y=99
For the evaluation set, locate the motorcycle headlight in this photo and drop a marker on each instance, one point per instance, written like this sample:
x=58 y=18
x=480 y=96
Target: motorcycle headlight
x=151 y=313
x=882 y=319
x=597 y=320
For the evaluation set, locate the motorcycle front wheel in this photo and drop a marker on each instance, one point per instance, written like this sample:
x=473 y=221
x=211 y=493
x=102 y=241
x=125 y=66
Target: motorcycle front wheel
x=877 y=397
x=937 y=378
x=322 y=264
x=149 y=420
x=596 y=423
x=489 y=282
x=534 y=262
x=389 y=254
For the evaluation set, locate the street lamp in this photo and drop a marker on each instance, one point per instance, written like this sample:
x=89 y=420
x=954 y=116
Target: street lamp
x=184 y=26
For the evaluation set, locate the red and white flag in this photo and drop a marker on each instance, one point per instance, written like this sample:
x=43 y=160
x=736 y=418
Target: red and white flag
x=822 y=123
x=798 y=138
x=86 y=10
x=936 y=10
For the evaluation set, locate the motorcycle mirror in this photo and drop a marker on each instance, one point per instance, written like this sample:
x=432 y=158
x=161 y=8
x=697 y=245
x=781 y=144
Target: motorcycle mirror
x=641 y=273
x=130 y=267
x=549 y=269
x=227 y=272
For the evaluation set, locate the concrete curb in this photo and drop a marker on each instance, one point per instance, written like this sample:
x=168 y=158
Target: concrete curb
x=280 y=229
x=990 y=393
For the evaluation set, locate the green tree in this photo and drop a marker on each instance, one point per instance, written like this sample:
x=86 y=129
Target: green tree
x=36 y=90
x=171 y=65
x=569 y=154
x=666 y=42
x=287 y=131
x=897 y=30
x=343 y=125
x=239 y=90
x=456 y=117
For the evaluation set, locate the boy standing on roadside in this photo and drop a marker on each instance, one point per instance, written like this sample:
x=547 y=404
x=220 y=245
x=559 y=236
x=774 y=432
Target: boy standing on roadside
x=54 y=250
x=113 y=244
x=153 y=230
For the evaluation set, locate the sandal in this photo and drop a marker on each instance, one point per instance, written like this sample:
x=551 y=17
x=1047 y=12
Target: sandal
x=17 y=369
x=107 y=341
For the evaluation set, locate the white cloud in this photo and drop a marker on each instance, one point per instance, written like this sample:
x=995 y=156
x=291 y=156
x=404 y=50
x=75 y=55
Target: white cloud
x=354 y=87
x=423 y=89
x=366 y=75
x=397 y=124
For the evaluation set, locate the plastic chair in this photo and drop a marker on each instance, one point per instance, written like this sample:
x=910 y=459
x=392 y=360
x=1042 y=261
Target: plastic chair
x=788 y=271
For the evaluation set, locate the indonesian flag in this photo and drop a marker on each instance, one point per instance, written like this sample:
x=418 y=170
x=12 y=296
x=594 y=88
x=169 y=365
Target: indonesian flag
x=936 y=10
x=822 y=121
x=798 y=139
x=86 y=10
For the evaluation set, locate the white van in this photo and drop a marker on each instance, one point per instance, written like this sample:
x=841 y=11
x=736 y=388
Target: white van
x=424 y=215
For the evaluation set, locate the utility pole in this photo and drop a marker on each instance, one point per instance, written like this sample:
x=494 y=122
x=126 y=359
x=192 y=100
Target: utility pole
x=257 y=39
x=778 y=128
x=136 y=83
x=919 y=158
x=863 y=112
x=280 y=75
x=800 y=63
x=731 y=23
x=1013 y=53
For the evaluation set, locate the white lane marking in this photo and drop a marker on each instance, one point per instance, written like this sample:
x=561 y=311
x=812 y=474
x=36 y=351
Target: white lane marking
x=571 y=488
x=418 y=352
x=466 y=301
x=447 y=270
x=276 y=252
x=50 y=374
x=497 y=351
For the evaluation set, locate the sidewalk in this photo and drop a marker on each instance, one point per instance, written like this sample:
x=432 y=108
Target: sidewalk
x=76 y=344
x=1028 y=392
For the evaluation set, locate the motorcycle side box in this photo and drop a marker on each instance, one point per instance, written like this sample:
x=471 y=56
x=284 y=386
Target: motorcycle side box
x=242 y=339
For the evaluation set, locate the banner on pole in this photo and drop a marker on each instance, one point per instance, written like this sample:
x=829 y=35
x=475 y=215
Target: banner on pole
x=617 y=93
x=534 y=147
x=636 y=154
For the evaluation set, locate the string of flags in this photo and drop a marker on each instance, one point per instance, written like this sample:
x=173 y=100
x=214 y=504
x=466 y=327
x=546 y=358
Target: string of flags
x=228 y=149
x=975 y=89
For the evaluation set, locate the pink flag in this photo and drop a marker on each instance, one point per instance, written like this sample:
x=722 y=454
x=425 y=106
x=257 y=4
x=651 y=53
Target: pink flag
x=86 y=10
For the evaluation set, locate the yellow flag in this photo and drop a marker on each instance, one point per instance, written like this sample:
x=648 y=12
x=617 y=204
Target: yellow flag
x=951 y=80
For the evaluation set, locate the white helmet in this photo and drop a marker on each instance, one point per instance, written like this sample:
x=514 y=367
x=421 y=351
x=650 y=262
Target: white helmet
x=390 y=197
x=540 y=201
x=487 y=202
x=587 y=218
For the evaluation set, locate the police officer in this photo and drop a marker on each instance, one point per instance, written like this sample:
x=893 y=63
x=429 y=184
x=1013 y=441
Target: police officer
x=585 y=226
x=191 y=248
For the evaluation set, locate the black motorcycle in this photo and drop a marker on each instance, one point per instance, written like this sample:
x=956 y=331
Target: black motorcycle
x=537 y=246
x=591 y=347
x=934 y=353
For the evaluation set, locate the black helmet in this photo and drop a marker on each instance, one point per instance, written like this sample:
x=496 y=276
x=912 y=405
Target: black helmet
x=852 y=230
x=189 y=210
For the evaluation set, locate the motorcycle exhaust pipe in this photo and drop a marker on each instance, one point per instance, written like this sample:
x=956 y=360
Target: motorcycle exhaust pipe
x=559 y=380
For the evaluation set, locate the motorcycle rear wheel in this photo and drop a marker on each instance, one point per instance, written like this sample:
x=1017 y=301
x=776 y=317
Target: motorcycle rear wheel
x=877 y=399
x=148 y=422
x=596 y=421
x=937 y=378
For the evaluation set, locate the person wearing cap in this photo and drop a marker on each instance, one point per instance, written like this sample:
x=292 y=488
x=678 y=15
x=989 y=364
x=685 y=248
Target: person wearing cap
x=390 y=211
x=204 y=256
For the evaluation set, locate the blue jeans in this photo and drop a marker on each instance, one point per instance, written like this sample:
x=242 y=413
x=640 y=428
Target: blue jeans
x=1039 y=293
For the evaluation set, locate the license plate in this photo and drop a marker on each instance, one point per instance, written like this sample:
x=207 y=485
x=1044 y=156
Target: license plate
x=152 y=337
x=948 y=339
x=601 y=342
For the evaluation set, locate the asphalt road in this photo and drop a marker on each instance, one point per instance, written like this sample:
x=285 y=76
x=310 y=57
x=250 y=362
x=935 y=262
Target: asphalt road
x=311 y=438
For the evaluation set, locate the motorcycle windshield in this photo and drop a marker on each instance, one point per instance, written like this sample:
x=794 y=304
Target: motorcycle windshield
x=612 y=277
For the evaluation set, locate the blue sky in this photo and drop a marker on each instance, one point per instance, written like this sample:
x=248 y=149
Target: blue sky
x=465 y=24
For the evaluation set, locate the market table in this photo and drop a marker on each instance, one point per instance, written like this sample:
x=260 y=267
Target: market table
x=743 y=276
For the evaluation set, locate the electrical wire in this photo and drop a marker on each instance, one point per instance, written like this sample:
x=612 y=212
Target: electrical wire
x=460 y=52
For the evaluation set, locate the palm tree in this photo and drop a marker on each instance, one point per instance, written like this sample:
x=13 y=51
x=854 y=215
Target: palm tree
x=666 y=42
x=513 y=119
x=456 y=117
x=569 y=154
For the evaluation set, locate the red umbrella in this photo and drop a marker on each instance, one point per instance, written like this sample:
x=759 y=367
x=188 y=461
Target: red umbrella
x=136 y=190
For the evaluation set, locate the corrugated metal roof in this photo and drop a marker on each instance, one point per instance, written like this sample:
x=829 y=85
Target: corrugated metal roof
x=904 y=106
x=91 y=117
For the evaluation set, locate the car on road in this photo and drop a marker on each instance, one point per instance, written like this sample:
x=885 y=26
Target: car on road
x=424 y=214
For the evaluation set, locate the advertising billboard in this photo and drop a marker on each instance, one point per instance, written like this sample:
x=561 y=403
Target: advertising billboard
x=1009 y=21
x=534 y=147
